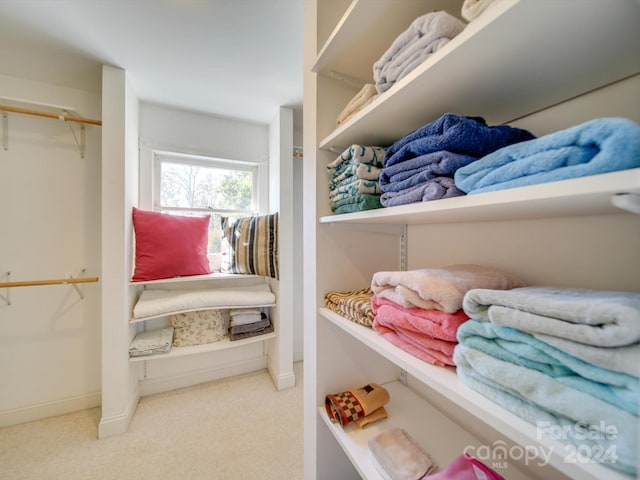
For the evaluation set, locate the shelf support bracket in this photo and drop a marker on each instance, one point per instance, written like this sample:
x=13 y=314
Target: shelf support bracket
x=404 y=243
x=629 y=202
x=6 y=298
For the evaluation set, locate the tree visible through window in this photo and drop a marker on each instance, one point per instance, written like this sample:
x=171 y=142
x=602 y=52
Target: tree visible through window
x=191 y=185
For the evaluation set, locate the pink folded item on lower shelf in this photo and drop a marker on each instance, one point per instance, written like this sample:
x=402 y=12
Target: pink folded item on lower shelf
x=465 y=467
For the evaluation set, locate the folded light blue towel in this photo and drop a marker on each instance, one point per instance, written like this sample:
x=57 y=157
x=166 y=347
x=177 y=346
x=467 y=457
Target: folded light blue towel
x=433 y=189
x=515 y=346
x=415 y=171
x=591 y=317
x=457 y=134
x=574 y=417
x=597 y=146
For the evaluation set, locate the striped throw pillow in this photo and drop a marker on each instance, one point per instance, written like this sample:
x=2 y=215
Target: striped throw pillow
x=253 y=244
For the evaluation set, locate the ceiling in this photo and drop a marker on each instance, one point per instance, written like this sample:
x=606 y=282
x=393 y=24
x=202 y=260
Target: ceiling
x=233 y=58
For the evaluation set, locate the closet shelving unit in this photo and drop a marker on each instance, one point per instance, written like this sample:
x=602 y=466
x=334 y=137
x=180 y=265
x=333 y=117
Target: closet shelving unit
x=512 y=64
x=213 y=280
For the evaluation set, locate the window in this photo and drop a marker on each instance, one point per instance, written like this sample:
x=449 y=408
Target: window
x=196 y=185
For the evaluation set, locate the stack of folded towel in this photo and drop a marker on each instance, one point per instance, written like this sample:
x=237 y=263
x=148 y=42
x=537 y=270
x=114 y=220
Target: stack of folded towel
x=471 y=9
x=598 y=146
x=420 y=311
x=426 y=35
x=354 y=305
x=248 y=322
x=151 y=342
x=421 y=166
x=366 y=95
x=566 y=360
x=354 y=185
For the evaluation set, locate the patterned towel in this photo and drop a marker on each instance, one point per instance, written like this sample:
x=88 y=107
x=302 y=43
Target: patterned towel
x=356 y=203
x=361 y=405
x=353 y=305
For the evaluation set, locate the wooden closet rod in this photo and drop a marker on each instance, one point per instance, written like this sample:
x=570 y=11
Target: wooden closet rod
x=38 y=113
x=54 y=281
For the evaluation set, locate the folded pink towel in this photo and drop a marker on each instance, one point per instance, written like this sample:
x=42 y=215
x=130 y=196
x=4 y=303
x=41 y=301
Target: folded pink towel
x=432 y=323
x=431 y=350
x=439 y=288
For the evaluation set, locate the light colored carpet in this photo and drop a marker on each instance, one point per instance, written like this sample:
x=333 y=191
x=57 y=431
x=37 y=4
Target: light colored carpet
x=238 y=428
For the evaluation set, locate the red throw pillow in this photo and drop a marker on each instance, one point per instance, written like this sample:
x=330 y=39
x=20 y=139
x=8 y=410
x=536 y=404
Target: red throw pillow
x=169 y=245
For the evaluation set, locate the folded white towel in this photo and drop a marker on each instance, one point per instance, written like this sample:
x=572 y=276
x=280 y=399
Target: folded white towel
x=471 y=9
x=439 y=288
x=426 y=35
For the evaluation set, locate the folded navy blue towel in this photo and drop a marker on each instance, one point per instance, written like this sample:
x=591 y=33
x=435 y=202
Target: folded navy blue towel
x=457 y=134
x=417 y=170
x=597 y=146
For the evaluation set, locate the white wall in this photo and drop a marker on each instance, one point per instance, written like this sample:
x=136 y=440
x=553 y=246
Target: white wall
x=176 y=130
x=49 y=226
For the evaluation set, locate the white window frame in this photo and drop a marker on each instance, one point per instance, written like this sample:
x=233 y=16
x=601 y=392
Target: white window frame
x=190 y=159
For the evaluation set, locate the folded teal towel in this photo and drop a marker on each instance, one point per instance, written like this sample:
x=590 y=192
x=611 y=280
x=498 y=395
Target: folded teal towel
x=515 y=346
x=572 y=417
x=597 y=146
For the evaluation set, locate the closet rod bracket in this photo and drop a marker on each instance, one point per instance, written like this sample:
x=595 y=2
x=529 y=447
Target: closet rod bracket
x=6 y=298
x=5 y=131
x=80 y=143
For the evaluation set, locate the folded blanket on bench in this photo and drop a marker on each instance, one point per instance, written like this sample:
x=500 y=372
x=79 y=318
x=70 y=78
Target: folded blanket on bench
x=157 y=303
x=597 y=146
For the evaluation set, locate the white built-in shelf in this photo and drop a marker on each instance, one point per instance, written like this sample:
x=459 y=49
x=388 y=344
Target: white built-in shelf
x=354 y=46
x=443 y=447
x=580 y=196
x=194 y=278
x=477 y=73
x=445 y=381
x=223 y=344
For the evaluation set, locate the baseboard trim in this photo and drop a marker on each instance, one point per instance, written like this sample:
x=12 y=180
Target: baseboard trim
x=194 y=377
x=52 y=408
x=283 y=380
x=118 y=424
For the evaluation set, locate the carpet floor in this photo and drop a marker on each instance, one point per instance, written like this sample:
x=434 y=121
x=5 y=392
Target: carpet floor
x=236 y=428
